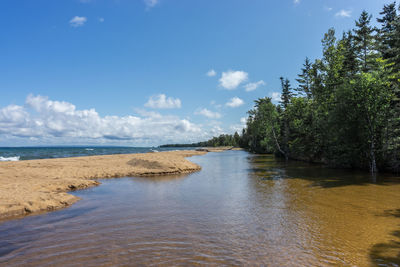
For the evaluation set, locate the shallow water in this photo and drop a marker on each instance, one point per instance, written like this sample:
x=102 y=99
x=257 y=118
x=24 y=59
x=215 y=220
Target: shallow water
x=241 y=209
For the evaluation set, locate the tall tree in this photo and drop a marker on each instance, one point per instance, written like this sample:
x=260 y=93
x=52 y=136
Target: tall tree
x=304 y=79
x=285 y=101
x=386 y=32
x=348 y=50
x=395 y=41
x=365 y=42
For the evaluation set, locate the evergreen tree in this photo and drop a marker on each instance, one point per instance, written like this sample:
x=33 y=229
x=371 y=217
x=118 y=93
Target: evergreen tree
x=365 y=42
x=387 y=30
x=395 y=50
x=304 y=79
x=350 y=66
x=285 y=101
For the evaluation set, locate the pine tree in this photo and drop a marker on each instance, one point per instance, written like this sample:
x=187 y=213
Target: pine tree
x=349 y=55
x=388 y=28
x=365 y=42
x=304 y=79
x=285 y=101
x=286 y=93
x=394 y=123
x=395 y=41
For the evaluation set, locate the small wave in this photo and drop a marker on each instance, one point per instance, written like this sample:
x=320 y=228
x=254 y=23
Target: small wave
x=89 y=149
x=153 y=150
x=9 y=158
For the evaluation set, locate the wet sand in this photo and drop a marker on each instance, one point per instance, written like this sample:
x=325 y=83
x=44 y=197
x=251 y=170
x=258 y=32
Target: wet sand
x=35 y=186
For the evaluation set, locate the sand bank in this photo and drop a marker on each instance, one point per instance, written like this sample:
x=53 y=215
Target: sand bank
x=218 y=148
x=41 y=185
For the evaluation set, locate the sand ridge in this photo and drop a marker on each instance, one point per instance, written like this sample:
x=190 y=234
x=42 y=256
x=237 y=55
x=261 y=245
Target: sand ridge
x=33 y=186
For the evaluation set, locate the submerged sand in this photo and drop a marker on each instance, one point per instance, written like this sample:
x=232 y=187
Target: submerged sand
x=41 y=185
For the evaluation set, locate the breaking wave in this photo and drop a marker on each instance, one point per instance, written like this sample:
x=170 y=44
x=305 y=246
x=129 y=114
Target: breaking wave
x=9 y=158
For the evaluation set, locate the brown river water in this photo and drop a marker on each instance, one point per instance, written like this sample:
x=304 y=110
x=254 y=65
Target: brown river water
x=239 y=210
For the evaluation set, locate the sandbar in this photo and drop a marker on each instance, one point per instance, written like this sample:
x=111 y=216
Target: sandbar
x=34 y=186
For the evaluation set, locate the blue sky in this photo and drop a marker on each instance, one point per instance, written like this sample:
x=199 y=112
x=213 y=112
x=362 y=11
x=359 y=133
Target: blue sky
x=147 y=72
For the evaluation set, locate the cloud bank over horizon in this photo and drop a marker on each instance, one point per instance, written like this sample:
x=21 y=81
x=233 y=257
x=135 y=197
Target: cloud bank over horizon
x=41 y=120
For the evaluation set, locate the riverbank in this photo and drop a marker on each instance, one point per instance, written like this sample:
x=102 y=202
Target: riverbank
x=218 y=148
x=35 y=186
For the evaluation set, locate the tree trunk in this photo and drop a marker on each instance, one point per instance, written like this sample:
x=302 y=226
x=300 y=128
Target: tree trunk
x=373 y=167
x=278 y=146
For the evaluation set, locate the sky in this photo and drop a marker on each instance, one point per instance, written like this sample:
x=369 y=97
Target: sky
x=150 y=72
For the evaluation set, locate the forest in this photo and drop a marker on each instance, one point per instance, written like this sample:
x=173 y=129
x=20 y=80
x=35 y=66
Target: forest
x=345 y=109
x=222 y=140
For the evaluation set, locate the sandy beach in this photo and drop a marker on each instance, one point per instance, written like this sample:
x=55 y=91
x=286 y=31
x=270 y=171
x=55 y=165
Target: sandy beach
x=35 y=186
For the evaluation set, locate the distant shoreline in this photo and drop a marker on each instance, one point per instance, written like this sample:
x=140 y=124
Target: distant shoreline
x=34 y=186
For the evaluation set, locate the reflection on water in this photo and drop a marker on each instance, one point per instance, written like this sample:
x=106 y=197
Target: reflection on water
x=241 y=209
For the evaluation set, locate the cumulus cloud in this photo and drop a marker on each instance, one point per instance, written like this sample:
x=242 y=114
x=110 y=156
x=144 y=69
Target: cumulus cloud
x=235 y=102
x=253 y=86
x=151 y=3
x=211 y=73
x=162 y=101
x=77 y=21
x=343 y=13
x=208 y=113
x=276 y=96
x=230 y=80
x=44 y=119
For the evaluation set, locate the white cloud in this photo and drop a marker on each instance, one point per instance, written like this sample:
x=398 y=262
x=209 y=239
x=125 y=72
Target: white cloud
x=101 y=19
x=77 y=21
x=151 y=3
x=211 y=73
x=276 y=96
x=343 y=13
x=60 y=122
x=296 y=1
x=239 y=126
x=232 y=79
x=162 y=101
x=208 y=113
x=253 y=86
x=235 y=102
x=327 y=8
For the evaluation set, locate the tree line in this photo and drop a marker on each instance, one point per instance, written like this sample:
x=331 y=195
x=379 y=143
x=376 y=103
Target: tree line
x=222 y=140
x=345 y=111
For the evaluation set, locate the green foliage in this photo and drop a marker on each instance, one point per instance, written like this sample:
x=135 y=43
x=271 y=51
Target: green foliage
x=346 y=112
x=222 y=140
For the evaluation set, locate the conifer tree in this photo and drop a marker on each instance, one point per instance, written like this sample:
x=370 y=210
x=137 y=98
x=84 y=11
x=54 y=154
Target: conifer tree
x=386 y=33
x=365 y=42
x=304 y=79
x=350 y=67
x=285 y=101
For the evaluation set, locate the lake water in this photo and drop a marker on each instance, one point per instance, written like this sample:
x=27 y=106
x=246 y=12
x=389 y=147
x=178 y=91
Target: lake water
x=27 y=153
x=240 y=209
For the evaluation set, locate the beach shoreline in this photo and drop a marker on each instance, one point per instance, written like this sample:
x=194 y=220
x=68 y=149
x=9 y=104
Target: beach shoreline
x=37 y=186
